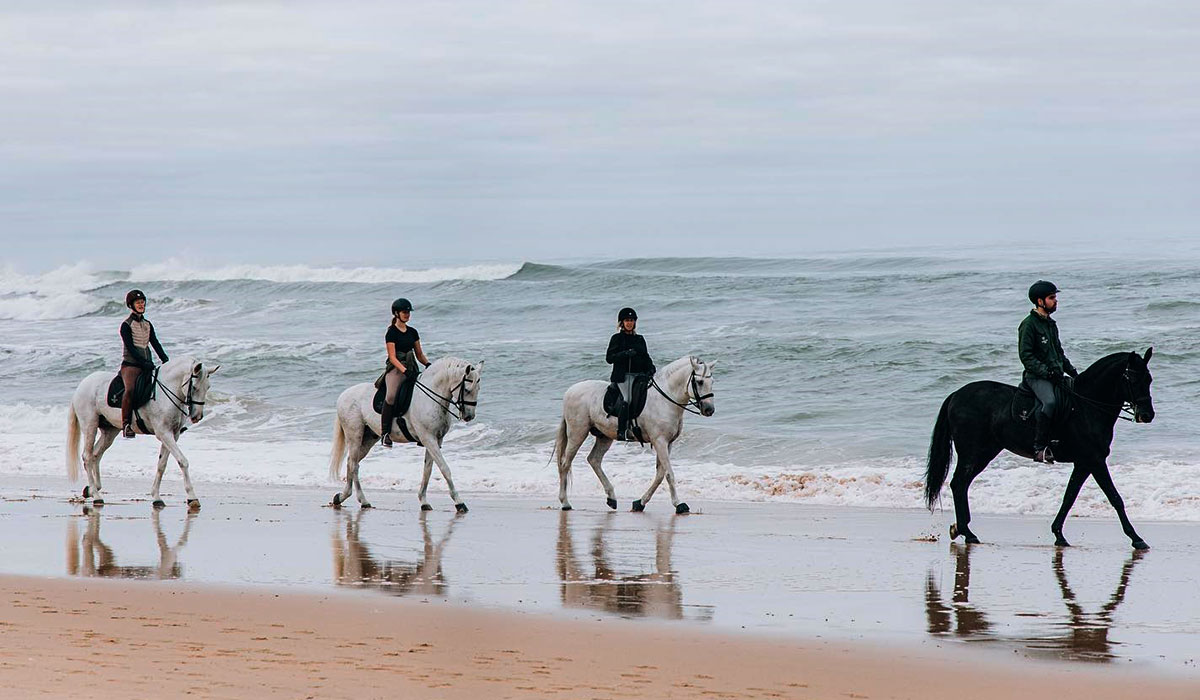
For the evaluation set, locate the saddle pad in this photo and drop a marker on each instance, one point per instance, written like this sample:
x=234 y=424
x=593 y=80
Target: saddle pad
x=1025 y=405
x=637 y=399
x=143 y=391
x=403 y=398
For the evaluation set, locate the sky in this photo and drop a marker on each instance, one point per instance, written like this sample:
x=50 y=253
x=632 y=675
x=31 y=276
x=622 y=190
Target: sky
x=429 y=133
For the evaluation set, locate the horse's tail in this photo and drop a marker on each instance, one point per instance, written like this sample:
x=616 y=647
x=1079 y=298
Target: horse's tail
x=939 y=456
x=73 y=434
x=339 y=449
x=560 y=444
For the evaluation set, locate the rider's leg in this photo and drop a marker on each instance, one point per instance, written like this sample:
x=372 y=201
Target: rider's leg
x=1044 y=390
x=129 y=376
x=625 y=386
x=392 y=381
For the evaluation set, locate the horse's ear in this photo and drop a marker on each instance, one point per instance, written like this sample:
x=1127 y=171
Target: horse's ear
x=712 y=364
x=1148 y=355
x=197 y=369
x=213 y=371
x=479 y=366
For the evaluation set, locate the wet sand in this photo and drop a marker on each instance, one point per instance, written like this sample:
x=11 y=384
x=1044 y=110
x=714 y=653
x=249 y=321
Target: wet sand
x=804 y=588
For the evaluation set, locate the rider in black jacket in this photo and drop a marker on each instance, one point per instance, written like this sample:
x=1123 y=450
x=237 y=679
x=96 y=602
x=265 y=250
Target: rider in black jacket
x=628 y=355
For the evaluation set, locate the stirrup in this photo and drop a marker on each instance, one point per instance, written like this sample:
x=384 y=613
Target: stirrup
x=127 y=431
x=1044 y=455
x=386 y=440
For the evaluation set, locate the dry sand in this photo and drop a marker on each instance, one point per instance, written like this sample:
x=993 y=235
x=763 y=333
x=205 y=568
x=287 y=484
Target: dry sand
x=123 y=639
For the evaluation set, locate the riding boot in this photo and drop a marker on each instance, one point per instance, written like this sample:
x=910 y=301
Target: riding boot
x=385 y=431
x=1041 y=440
x=622 y=425
x=126 y=410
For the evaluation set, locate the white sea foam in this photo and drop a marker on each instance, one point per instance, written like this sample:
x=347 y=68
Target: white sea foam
x=57 y=294
x=31 y=440
x=174 y=270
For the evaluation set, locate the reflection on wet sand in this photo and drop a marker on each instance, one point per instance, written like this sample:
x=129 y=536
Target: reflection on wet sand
x=1081 y=635
x=354 y=565
x=89 y=556
x=658 y=594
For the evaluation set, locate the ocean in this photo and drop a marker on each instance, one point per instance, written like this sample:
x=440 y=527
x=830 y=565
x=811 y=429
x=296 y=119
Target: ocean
x=830 y=369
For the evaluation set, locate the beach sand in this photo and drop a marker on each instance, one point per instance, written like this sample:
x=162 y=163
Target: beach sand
x=266 y=593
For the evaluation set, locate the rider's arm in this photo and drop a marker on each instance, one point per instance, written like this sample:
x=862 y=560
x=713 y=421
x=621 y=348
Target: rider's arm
x=613 y=353
x=421 y=353
x=393 y=360
x=1027 y=348
x=157 y=348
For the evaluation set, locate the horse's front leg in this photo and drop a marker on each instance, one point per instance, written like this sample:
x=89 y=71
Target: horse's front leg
x=662 y=466
x=425 y=474
x=163 y=454
x=433 y=448
x=1078 y=476
x=1105 y=482
x=680 y=507
x=168 y=440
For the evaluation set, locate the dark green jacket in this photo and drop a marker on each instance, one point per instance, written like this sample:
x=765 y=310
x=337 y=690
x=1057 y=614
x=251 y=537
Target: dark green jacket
x=1041 y=352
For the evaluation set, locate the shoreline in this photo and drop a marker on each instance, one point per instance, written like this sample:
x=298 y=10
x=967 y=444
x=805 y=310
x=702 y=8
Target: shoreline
x=114 y=638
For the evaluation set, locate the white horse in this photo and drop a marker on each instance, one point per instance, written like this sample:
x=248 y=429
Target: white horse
x=683 y=385
x=449 y=388
x=180 y=394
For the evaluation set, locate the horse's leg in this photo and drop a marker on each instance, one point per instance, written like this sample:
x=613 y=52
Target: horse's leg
x=433 y=448
x=680 y=507
x=352 y=474
x=662 y=465
x=169 y=442
x=428 y=472
x=103 y=442
x=564 y=466
x=1078 y=476
x=357 y=450
x=163 y=453
x=89 y=449
x=1105 y=482
x=594 y=458
x=969 y=466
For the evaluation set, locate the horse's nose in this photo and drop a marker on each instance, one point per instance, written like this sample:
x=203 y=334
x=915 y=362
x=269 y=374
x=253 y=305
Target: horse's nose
x=709 y=411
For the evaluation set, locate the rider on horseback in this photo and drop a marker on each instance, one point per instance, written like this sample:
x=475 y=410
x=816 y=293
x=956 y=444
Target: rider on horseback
x=403 y=352
x=137 y=336
x=628 y=355
x=1045 y=363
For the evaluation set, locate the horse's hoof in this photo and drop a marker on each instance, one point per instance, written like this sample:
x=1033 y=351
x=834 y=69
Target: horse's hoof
x=365 y=506
x=638 y=507
x=970 y=538
x=159 y=505
x=681 y=509
x=193 y=504
x=612 y=503
x=426 y=506
x=337 y=500
x=87 y=491
x=566 y=507
x=953 y=531
x=1140 y=544
x=98 y=502
x=460 y=507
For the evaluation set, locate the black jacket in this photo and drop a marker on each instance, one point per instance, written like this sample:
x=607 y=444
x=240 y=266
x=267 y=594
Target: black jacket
x=627 y=354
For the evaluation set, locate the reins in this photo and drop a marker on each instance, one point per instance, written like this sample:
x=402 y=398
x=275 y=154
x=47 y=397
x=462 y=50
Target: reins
x=694 y=396
x=445 y=402
x=1126 y=407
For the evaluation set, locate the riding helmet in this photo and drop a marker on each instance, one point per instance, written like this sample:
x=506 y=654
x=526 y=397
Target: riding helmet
x=1040 y=290
x=626 y=313
x=401 y=304
x=134 y=295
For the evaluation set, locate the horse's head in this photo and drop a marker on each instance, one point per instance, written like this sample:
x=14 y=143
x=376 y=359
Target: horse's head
x=700 y=388
x=467 y=395
x=197 y=389
x=1137 y=382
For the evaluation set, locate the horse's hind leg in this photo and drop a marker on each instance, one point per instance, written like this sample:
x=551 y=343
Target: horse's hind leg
x=358 y=450
x=103 y=442
x=594 y=458
x=574 y=442
x=970 y=465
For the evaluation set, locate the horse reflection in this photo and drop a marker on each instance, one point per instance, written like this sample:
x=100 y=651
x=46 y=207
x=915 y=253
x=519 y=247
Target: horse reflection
x=1083 y=635
x=89 y=556
x=658 y=594
x=354 y=565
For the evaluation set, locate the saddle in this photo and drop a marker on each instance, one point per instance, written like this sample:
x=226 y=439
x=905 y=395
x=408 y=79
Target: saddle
x=403 y=402
x=143 y=390
x=614 y=405
x=1025 y=405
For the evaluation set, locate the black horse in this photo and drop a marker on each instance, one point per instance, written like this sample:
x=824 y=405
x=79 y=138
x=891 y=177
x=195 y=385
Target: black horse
x=980 y=420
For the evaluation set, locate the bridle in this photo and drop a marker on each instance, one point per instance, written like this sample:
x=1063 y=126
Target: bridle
x=1128 y=406
x=183 y=403
x=445 y=402
x=694 y=396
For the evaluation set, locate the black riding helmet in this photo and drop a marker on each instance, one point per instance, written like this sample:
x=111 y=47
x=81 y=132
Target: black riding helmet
x=401 y=304
x=626 y=313
x=1040 y=290
x=134 y=295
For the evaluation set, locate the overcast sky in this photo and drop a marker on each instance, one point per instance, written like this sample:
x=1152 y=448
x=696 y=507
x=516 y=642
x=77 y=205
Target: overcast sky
x=397 y=132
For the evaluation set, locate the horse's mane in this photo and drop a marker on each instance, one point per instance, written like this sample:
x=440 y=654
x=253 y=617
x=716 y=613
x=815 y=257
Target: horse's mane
x=448 y=362
x=1104 y=365
x=676 y=365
